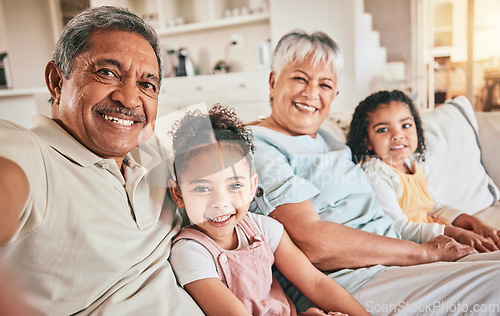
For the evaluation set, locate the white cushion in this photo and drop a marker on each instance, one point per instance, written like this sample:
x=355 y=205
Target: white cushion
x=455 y=173
x=489 y=137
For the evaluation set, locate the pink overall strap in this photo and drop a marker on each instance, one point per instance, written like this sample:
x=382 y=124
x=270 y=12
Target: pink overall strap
x=249 y=228
x=205 y=241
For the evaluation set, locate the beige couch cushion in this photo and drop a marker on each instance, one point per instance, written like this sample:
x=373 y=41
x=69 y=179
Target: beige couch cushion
x=453 y=160
x=335 y=127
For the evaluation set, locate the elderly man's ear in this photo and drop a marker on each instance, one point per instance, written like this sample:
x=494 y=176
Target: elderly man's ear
x=54 y=80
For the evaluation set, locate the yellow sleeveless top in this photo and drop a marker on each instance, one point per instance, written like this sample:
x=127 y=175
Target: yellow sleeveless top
x=415 y=200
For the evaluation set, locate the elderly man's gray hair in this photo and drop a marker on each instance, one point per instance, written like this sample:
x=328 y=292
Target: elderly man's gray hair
x=75 y=36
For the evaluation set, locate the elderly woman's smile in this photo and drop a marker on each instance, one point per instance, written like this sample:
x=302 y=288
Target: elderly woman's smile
x=305 y=107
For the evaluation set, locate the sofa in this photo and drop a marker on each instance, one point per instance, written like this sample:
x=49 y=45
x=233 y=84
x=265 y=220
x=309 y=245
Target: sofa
x=461 y=162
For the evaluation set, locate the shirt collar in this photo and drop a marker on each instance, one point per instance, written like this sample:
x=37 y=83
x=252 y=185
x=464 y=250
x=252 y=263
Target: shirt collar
x=150 y=154
x=59 y=139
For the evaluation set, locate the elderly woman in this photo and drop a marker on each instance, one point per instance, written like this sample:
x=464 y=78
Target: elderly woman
x=309 y=183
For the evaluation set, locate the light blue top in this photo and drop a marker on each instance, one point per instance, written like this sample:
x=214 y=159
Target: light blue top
x=294 y=169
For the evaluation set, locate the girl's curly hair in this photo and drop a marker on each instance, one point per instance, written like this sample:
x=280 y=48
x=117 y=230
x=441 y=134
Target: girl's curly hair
x=193 y=133
x=358 y=132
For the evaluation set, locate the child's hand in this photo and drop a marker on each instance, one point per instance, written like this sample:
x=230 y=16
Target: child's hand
x=475 y=224
x=313 y=311
x=470 y=238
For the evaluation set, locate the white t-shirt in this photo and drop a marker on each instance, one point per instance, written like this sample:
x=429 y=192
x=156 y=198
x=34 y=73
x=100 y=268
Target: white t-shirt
x=191 y=261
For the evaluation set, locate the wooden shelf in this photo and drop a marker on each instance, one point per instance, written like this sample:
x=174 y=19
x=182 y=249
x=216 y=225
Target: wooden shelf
x=209 y=25
x=22 y=92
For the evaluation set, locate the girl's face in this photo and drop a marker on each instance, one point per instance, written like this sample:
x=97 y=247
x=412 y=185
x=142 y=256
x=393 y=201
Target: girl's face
x=392 y=134
x=216 y=189
x=302 y=94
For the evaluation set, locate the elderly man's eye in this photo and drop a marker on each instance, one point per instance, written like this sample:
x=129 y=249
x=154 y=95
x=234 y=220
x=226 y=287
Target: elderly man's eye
x=148 y=86
x=106 y=72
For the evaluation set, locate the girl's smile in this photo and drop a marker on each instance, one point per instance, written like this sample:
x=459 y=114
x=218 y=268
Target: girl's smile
x=219 y=221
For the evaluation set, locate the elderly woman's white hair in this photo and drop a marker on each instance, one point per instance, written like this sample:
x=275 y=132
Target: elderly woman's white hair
x=297 y=45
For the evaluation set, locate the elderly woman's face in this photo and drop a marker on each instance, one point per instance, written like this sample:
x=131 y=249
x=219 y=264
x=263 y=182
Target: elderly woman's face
x=301 y=97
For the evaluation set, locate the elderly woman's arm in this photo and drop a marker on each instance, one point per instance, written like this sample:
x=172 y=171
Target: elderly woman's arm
x=332 y=246
x=14 y=190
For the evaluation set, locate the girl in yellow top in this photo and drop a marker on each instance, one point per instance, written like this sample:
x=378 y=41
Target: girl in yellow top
x=386 y=137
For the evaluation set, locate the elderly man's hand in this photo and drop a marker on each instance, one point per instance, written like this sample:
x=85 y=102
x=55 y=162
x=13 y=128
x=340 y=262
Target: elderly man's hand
x=444 y=248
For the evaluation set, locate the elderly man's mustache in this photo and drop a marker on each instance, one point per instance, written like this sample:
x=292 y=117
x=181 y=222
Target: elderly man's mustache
x=106 y=109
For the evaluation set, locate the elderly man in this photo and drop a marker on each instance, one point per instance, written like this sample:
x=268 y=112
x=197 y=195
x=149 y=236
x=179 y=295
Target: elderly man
x=81 y=227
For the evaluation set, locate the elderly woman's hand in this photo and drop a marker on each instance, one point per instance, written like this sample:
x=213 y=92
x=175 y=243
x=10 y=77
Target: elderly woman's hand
x=444 y=248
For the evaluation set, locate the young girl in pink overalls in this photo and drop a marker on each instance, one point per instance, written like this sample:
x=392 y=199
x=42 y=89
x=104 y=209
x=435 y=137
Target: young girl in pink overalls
x=224 y=258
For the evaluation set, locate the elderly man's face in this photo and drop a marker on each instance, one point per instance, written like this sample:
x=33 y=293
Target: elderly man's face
x=109 y=103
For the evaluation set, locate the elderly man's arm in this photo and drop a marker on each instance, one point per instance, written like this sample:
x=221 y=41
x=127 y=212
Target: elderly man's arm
x=331 y=246
x=14 y=190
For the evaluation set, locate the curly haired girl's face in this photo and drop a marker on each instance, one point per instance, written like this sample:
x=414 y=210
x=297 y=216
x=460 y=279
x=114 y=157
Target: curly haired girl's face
x=392 y=134
x=217 y=189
